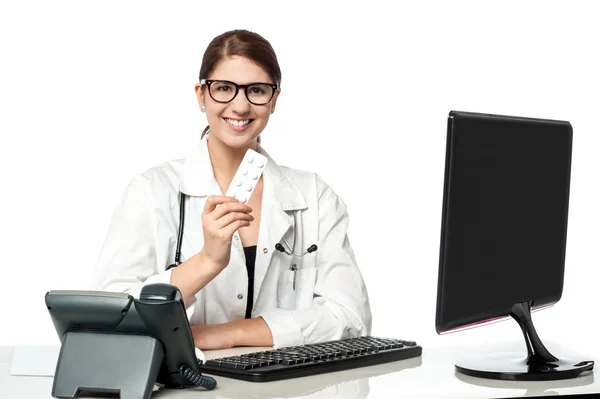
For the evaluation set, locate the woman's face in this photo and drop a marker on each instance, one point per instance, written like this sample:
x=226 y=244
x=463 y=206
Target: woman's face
x=238 y=122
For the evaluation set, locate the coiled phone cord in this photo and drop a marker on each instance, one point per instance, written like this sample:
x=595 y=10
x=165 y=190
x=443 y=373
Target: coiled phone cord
x=197 y=378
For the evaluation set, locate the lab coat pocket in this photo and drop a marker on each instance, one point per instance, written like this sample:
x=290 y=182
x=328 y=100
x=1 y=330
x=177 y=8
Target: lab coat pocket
x=305 y=287
x=296 y=294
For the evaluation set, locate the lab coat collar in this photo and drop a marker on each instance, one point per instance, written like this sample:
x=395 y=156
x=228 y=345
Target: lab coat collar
x=198 y=179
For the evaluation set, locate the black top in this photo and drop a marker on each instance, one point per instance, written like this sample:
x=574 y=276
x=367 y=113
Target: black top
x=250 y=253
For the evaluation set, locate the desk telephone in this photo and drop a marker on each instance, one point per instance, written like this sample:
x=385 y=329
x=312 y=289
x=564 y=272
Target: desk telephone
x=115 y=343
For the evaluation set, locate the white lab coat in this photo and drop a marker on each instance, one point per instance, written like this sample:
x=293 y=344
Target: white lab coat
x=330 y=299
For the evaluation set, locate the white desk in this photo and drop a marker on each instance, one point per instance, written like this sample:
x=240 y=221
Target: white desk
x=431 y=376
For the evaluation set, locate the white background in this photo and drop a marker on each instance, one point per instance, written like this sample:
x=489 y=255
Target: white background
x=93 y=93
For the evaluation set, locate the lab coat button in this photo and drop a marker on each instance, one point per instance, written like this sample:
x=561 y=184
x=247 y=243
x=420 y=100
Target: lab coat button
x=265 y=250
x=235 y=237
x=240 y=296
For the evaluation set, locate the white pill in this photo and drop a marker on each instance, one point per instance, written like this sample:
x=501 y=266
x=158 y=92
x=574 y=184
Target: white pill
x=244 y=171
x=250 y=159
x=238 y=182
x=241 y=198
x=254 y=176
x=260 y=164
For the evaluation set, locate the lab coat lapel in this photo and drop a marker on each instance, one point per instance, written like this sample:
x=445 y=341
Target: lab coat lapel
x=281 y=197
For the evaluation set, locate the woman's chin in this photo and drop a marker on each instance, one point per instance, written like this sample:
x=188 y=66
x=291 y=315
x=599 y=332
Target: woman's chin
x=235 y=139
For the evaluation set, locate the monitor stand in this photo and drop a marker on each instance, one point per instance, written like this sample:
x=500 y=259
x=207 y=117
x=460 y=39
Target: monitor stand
x=539 y=365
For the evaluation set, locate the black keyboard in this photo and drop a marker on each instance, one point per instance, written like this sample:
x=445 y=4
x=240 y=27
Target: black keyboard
x=311 y=359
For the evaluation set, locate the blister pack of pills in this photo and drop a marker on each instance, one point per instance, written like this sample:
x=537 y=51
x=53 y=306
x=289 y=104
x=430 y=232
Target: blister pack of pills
x=247 y=176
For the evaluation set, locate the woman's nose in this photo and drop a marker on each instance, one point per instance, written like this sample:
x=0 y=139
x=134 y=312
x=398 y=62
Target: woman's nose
x=240 y=103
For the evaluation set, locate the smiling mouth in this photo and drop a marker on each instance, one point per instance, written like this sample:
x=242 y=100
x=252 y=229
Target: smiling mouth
x=237 y=122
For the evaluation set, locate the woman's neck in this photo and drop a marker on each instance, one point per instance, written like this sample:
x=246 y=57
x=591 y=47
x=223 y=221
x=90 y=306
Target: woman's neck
x=226 y=160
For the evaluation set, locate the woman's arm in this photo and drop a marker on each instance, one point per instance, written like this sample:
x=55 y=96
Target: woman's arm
x=192 y=275
x=244 y=332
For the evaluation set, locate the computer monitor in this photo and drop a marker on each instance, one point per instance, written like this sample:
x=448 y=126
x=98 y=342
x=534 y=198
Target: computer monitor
x=503 y=234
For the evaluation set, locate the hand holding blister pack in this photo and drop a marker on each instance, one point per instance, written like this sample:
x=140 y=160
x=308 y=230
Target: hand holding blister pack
x=222 y=217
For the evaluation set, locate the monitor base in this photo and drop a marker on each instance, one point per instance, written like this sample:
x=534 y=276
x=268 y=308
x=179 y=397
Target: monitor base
x=539 y=365
x=515 y=367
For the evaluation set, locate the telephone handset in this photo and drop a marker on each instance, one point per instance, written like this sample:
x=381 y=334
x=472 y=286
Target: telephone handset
x=115 y=343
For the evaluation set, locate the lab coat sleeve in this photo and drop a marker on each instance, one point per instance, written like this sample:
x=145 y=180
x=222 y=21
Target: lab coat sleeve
x=128 y=257
x=340 y=307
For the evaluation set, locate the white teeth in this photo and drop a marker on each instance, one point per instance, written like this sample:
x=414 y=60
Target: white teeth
x=237 y=123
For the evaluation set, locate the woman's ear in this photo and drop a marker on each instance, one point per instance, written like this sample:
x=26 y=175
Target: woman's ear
x=274 y=100
x=199 y=95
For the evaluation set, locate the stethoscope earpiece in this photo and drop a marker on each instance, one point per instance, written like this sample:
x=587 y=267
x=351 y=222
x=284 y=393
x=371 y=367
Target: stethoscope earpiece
x=280 y=247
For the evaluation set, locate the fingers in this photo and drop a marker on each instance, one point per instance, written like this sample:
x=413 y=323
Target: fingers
x=234 y=226
x=223 y=216
x=213 y=200
x=231 y=217
x=229 y=207
x=228 y=204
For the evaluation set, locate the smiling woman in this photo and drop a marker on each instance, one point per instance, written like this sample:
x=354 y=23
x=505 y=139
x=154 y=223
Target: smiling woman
x=227 y=111
x=239 y=291
x=243 y=57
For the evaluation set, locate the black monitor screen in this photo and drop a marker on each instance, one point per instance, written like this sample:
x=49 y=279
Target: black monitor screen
x=504 y=220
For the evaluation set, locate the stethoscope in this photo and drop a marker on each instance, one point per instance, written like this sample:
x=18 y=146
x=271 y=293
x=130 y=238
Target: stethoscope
x=278 y=246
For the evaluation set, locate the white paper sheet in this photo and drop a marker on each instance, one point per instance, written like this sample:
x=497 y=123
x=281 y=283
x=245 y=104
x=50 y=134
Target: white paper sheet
x=34 y=360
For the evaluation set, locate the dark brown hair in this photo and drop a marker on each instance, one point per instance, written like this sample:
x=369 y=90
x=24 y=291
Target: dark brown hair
x=240 y=43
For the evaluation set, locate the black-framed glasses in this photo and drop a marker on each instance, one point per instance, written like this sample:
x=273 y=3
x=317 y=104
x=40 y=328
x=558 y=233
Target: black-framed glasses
x=224 y=91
